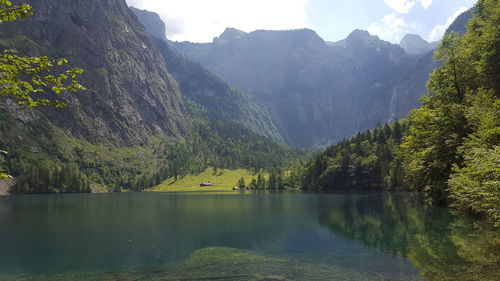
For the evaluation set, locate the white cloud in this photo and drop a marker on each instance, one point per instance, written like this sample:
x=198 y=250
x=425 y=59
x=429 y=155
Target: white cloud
x=202 y=20
x=425 y=3
x=438 y=30
x=401 y=6
x=390 y=27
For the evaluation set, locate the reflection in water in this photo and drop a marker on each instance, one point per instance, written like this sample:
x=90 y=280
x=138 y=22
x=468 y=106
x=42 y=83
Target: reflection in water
x=378 y=236
x=442 y=246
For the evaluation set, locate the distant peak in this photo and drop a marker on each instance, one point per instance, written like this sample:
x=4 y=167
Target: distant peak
x=360 y=37
x=358 y=33
x=412 y=38
x=232 y=30
x=415 y=45
x=230 y=34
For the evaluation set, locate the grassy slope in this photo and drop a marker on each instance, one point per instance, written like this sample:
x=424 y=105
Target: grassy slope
x=223 y=180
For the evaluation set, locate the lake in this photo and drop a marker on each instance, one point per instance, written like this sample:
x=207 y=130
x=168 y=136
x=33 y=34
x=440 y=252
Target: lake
x=234 y=236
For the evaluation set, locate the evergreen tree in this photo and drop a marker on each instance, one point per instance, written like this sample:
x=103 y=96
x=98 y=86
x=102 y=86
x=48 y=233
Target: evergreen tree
x=241 y=183
x=271 y=184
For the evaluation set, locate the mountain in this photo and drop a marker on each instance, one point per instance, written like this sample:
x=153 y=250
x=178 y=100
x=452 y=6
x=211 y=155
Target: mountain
x=316 y=93
x=151 y=21
x=199 y=85
x=414 y=44
x=130 y=95
x=229 y=34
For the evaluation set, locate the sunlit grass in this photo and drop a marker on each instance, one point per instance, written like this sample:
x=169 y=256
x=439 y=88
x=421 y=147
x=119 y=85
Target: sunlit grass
x=223 y=180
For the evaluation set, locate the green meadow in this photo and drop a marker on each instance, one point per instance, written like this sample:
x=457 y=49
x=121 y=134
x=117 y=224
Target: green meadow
x=222 y=180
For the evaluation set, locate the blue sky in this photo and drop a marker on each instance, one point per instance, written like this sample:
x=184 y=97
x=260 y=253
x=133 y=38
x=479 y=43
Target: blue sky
x=333 y=20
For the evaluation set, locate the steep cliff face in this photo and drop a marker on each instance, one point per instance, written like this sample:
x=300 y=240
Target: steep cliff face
x=316 y=93
x=130 y=93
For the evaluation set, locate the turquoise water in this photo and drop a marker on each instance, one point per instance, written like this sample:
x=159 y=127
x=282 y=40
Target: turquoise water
x=286 y=236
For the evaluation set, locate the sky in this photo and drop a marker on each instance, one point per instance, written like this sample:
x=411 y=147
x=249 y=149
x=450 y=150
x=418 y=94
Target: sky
x=333 y=20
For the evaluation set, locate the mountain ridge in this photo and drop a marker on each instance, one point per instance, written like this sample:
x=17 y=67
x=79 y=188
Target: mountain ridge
x=305 y=83
x=320 y=92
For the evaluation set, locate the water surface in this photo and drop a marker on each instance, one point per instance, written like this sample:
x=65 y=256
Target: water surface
x=285 y=236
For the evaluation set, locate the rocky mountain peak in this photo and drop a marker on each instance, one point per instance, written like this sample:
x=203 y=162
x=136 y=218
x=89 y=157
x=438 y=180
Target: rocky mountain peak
x=359 y=34
x=230 y=34
x=361 y=39
x=414 y=44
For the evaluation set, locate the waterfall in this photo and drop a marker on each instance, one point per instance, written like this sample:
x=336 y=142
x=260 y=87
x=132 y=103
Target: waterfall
x=392 y=111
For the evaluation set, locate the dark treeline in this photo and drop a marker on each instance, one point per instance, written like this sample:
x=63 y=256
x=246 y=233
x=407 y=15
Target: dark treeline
x=368 y=161
x=48 y=178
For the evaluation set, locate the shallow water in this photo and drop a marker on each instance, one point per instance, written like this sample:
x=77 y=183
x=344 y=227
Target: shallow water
x=285 y=236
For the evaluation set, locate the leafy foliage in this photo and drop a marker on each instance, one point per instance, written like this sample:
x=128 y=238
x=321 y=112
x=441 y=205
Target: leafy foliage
x=9 y=12
x=26 y=79
x=476 y=186
x=452 y=149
